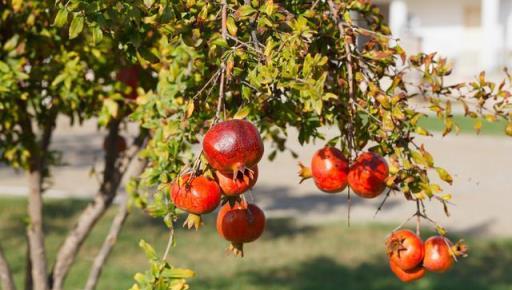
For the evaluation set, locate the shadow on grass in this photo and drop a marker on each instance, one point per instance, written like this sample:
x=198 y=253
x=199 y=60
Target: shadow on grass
x=489 y=269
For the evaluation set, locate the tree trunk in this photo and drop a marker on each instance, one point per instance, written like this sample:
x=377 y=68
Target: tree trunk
x=6 y=280
x=35 y=232
x=112 y=176
x=115 y=229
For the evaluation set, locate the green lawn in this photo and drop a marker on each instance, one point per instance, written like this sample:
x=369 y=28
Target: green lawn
x=288 y=257
x=465 y=124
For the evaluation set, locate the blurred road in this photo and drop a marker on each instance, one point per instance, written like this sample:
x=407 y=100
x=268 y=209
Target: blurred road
x=482 y=190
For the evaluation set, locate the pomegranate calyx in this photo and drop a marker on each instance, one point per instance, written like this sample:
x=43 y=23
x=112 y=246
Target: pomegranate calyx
x=193 y=221
x=237 y=249
x=304 y=172
x=460 y=249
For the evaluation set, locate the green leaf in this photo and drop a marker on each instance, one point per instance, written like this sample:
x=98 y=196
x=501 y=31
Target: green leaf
x=76 y=27
x=245 y=11
x=62 y=17
x=444 y=175
x=97 y=34
x=178 y=273
x=232 y=29
x=148 y=250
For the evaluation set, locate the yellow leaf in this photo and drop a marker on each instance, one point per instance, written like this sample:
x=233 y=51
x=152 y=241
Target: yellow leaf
x=242 y=113
x=190 y=108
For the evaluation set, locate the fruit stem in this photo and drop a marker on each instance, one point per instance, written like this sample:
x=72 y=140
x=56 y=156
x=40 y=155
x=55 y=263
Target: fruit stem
x=304 y=172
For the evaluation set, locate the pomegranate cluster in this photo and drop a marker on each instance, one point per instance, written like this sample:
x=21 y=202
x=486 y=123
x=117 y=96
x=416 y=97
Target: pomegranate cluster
x=332 y=173
x=410 y=258
x=233 y=149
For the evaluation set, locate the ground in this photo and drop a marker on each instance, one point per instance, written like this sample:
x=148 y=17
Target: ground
x=289 y=256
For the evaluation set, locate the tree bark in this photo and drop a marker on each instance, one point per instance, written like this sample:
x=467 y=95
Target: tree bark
x=35 y=232
x=6 y=280
x=112 y=176
x=115 y=229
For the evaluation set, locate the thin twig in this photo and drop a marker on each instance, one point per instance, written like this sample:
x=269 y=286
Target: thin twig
x=169 y=243
x=418 y=217
x=223 y=64
x=383 y=202
x=214 y=78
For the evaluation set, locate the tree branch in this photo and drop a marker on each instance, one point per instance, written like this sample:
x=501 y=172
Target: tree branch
x=224 y=32
x=36 y=171
x=115 y=229
x=6 y=280
x=112 y=176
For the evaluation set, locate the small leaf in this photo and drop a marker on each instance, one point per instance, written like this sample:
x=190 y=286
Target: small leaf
x=232 y=29
x=440 y=230
x=178 y=273
x=97 y=34
x=444 y=175
x=62 y=17
x=190 y=108
x=148 y=250
x=508 y=129
x=245 y=11
x=422 y=131
x=76 y=27
x=242 y=113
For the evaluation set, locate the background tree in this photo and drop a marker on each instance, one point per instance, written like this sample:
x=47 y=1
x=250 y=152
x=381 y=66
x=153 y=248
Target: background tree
x=280 y=64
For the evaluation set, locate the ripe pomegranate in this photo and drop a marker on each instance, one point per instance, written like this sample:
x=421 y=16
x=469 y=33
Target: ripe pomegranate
x=438 y=255
x=120 y=144
x=196 y=196
x=405 y=249
x=240 y=223
x=367 y=176
x=233 y=185
x=407 y=275
x=329 y=169
x=232 y=146
x=130 y=77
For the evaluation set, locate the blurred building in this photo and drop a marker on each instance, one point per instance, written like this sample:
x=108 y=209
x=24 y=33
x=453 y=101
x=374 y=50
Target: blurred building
x=473 y=34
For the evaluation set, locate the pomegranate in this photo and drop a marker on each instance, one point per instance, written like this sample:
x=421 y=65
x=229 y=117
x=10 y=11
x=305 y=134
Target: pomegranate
x=120 y=144
x=405 y=249
x=232 y=185
x=233 y=146
x=130 y=77
x=329 y=169
x=407 y=275
x=367 y=176
x=196 y=196
x=438 y=255
x=240 y=223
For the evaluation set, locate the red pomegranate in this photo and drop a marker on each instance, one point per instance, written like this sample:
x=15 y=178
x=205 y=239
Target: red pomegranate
x=240 y=223
x=235 y=185
x=129 y=75
x=405 y=249
x=120 y=144
x=199 y=196
x=367 y=176
x=232 y=146
x=438 y=255
x=407 y=275
x=329 y=169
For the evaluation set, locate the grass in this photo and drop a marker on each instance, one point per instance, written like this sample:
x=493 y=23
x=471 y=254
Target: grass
x=465 y=124
x=288 y=257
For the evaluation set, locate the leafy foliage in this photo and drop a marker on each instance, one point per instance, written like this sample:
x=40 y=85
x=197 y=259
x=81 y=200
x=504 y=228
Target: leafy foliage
x=286 y=64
